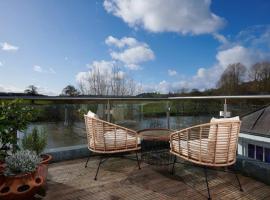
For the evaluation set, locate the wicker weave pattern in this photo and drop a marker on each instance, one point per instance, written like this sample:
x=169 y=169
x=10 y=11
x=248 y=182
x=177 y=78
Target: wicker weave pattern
x=211 y=144
x=105 y=137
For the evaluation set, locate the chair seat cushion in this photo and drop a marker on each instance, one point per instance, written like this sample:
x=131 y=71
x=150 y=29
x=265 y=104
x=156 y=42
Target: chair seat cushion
x=220 y=136
x=192 y=149
x=91 y=114
x=120 y=136
x=114 y=140
x=214 y=129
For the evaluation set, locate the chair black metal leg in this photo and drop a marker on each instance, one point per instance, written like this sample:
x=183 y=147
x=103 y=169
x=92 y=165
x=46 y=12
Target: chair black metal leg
x=100 y=161
x=240 y=186
x=206 y=180
x=174 y=161
x=138 y=162
x=86 y=162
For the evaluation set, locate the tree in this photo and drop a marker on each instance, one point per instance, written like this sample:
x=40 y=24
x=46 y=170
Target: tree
x=195 y=92
x=231 y=79
x=183 y=90
x=70 y=90
x=111 y=81
x=31 y=90
x=260 y=75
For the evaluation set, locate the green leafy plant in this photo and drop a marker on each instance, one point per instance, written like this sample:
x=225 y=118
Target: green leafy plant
x=14 y=116
x=21 y=162
x=35 y=141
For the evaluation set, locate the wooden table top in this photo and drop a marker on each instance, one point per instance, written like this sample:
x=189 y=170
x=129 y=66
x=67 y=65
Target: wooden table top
x=156 y=134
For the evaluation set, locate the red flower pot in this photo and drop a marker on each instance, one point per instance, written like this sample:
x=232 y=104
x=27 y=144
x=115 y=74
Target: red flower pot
x=2 y=167
x=19 y=187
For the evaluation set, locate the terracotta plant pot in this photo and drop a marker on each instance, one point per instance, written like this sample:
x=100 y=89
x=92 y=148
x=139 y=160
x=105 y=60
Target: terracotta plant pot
x=42 y=171
x=1 y=179
x=2 y=167
x=46 y=158
x=19 y=187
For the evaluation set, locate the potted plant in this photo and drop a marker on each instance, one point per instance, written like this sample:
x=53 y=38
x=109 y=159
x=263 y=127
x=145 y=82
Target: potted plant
x=36 y=141
x=21 y=180
x=14 y=117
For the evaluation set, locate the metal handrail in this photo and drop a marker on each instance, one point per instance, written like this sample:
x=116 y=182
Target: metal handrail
x=78 y=98
x=223 y=97
x=86 y=98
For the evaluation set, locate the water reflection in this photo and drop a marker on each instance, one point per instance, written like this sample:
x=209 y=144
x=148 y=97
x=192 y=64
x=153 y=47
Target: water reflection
x=60 y=135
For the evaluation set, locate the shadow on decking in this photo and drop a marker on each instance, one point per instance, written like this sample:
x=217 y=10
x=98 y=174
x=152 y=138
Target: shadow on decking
x=121 y=179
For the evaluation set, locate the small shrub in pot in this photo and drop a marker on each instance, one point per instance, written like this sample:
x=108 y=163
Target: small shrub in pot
x=21 y=178
x=35 y=141
x=21 y=162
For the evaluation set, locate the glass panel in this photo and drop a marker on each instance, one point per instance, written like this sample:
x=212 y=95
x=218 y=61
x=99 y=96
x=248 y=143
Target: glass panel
x=63 y=121
x=267 y=155
x=251 y=150
x=259 y=153
x=186 y=113
x=239 y=107
x=138 y=115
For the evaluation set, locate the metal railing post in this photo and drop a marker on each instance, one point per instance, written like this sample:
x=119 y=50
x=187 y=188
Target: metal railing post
x=225 y=108
x=108 y=111
x=66 y=116
x=141 y=114
x=168 y=115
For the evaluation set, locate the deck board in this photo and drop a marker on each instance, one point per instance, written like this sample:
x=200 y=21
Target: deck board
x=120 y=179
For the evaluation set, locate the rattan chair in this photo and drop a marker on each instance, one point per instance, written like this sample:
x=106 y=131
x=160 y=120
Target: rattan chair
x=209 y=145
x=109 y=139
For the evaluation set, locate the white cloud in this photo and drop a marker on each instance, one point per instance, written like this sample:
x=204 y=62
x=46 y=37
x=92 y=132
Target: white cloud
x=10 y=88
x=132 y=57
x=1 y=63
x=37 y=68
x=82 y=76
x=104 y=71
x=172 y=72
x=248 y=47
x=181 y=16
x=40 y=69
x=237 y=54
x=163 y=87
x=132 y=52
x=201 y=72
x=221 y=38
x=206 y=78
x=255 y=36
x=9 y=47
x=15 y=89
x=104 y=68
x=120 y=43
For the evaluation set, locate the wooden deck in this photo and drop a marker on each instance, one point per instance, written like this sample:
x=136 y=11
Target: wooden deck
x=120 y=179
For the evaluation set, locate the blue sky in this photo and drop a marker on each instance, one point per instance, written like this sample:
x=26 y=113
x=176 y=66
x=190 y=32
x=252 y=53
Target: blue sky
x=165 y=45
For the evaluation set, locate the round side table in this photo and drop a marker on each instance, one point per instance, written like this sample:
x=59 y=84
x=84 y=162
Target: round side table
x=155 y=146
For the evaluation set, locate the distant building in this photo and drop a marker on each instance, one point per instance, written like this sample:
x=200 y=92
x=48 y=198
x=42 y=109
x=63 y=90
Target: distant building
x=254 y=139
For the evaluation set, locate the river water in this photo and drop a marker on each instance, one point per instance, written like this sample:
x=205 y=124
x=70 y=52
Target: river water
x=60 y=135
